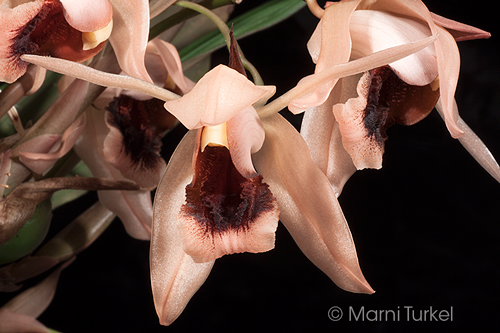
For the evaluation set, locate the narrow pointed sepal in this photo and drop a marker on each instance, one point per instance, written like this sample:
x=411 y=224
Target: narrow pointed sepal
x=309 y=207
x=175 y=277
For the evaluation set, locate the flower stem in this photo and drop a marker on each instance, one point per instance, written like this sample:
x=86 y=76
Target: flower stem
x=224 y=29
x=315 y=9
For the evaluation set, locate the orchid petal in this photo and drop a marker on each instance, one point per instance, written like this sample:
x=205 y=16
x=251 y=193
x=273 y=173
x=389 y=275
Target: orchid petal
x=87 y=17
x=217 y=97
x=308 y=204
x=11 y=321
x=459 y=31
x=245 y=136
x=172 y=63
x=447 y=54
x=372 y=31
x=475 y=146
x=40 y=162
x=130 y=36
x=321 y=132
x=35 y=300
x=134 y=208
x=360 y=65
x=175 y=277
x=335 y=49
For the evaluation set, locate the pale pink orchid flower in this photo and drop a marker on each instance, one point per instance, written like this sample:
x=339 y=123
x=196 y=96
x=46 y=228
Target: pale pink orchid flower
x=211 y=201
x=68 y=29
x=346 y=119
x=122 y=139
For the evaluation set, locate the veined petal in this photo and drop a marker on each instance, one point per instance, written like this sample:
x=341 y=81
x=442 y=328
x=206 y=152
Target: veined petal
x=40 y=162
x=321 y=132
x=130 y=36
x=447 y=54
x=309 y=207
x=330 y=45
x=87 y=16
x=175 y=277
x=460 y=31
x=372 y=31
x=218 y=96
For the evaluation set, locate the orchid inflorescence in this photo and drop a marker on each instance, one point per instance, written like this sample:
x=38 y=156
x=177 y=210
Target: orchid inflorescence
x=241 y=167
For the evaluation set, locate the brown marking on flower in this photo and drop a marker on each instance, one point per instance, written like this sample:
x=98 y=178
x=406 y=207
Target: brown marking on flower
x=225 y=212
x=142 y=125
x=46 y=34
x=392 y=101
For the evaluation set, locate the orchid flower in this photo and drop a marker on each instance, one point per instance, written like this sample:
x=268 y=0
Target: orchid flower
x=69 y=29
x=122 y=139
x=346 y=119
x=221 y=205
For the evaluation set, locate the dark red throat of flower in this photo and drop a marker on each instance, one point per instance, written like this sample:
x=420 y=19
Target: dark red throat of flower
x=49 y=34
x=142 y=124
x=391 y=101
x=225 y=212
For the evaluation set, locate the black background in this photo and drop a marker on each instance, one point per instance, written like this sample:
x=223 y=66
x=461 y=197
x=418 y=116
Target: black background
x=426 y=226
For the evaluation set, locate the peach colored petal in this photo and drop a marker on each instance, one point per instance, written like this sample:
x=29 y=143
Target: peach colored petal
x=365 y=150
x=335 y=49
x=218 y=96
x=321 y=132
x=175 y=277
x=323 y=78
x=134 y=208
x=173 y=65
x=87 y=16
x=39 y=162
x=460 y=31
x=447 y=54
x=372 y=31
x=475 y=146
x=245 y=136
x=130 y=36
x=309 y=207
x=12 y=322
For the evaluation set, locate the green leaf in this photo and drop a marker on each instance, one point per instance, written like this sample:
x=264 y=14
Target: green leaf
x=260 y=18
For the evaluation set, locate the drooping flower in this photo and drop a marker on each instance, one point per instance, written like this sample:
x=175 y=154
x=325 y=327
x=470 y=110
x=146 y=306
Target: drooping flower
x=122 y=139
x=222 y=206
x=73 y=30
x=354 y=112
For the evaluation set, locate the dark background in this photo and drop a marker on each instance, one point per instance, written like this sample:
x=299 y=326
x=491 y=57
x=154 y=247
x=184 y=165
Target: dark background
x=426 y=226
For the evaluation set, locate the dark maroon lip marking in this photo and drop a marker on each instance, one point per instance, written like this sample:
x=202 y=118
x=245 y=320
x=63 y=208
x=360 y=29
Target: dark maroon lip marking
x=392 y=101
x=221 y=199
x=142 y=124
x=49 y=34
